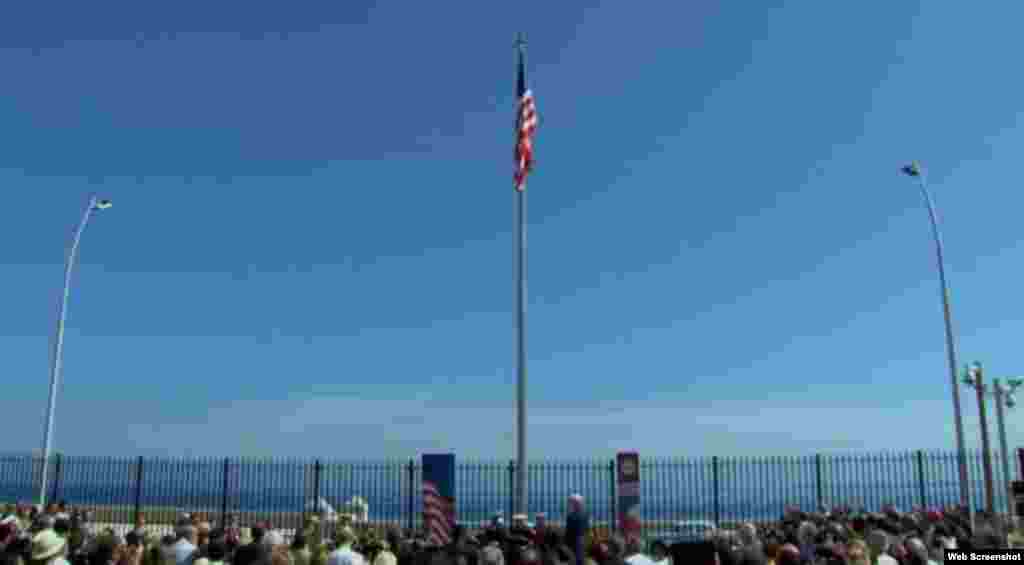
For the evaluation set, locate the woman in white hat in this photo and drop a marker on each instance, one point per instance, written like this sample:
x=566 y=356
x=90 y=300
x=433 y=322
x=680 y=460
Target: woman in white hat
x=48 y=549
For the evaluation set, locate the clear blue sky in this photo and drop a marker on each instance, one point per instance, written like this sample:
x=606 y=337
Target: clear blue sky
x=310 y=251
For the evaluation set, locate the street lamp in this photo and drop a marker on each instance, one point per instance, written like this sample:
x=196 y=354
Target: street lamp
x=1005 y=397
x=974 y=378
x=914 y=170
x=95 y=204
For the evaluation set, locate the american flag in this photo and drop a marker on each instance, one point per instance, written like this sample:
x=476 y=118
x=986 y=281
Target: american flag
x=438 y=497
x=526 y=125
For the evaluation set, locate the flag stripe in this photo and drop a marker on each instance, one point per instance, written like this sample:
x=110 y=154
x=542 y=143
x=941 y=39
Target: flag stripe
x=438 y=514
x=526 y=126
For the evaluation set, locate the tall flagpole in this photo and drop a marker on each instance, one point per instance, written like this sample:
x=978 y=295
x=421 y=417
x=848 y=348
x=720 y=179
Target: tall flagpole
x=520 y=285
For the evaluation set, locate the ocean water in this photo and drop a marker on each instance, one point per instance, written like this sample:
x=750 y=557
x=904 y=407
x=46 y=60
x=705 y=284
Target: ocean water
x=670 y=490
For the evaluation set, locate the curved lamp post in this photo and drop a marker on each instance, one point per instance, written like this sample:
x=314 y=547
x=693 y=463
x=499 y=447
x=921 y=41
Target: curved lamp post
x=95 y=204
x=914 y=170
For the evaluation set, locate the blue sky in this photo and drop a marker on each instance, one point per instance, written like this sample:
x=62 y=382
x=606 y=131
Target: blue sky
x=310 y=251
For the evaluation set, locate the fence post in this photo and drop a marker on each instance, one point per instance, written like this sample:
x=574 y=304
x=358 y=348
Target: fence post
x=714 y=477
x=412 y=494
x=56 y=478
x=224 y=494
x=611 y=492
x=511 y=490
x=138 y=489
x=819 y=480
x=920 y=479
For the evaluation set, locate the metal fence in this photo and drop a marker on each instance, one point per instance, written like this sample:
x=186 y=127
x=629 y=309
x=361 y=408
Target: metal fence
x=717 y=489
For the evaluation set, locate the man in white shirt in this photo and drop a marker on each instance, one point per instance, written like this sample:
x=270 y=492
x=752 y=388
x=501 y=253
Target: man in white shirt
x=344 y=554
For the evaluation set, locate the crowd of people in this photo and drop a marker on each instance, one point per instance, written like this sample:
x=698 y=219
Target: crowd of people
x=59 y=535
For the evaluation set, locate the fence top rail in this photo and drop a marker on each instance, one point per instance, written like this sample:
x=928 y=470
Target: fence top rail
x=571 y=463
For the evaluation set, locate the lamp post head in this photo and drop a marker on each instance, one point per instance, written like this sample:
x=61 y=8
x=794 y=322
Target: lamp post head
x=102 y=204
x=912 y=170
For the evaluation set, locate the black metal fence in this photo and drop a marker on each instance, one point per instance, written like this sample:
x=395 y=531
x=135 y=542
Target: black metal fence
x=717 y=489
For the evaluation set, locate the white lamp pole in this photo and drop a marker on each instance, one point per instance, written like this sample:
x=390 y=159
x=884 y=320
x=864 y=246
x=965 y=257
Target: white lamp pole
x=94 y=205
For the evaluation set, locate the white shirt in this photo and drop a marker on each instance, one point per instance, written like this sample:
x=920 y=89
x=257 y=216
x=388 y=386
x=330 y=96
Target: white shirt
x=345 y=556
x=639 y=559
x=182 y=552
x=886 y=559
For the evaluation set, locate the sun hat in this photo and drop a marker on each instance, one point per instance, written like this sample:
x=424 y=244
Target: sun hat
x=46 y=544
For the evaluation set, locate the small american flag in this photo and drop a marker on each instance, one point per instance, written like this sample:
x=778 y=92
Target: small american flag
x=526 y=125
x=439 y=497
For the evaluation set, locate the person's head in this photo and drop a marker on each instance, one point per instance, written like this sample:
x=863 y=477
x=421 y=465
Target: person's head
x=748 y=533
x=857 y=553
x=788 y=555
x=529 y=556
x=394 y=538
x=185 y=532
x=491 y=555
x=878 y=542
x=345 y=536
x=806 y=533
x=217 y=550
x=140 y=520
x=299 y=541
x=257 y=532
x=576 y=503
x=659 y=550
x=62 y=526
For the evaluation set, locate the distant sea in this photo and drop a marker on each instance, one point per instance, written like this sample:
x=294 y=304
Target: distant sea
x=481 y=505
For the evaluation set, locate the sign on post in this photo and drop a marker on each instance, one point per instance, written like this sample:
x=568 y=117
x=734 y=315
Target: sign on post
x=629 y=493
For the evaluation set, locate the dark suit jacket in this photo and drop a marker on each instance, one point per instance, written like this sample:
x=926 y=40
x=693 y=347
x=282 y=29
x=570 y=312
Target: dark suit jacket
x=576 y=526
x=252 y=554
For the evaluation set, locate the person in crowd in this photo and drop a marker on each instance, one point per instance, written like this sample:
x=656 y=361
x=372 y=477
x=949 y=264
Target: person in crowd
x=878 y=545
x=344 y=554
x=253 y=551
x=577 y=525
x=634 y=552
x=182 y=550
x=299 y=553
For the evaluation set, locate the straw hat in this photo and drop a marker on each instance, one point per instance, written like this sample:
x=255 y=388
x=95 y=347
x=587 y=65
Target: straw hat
x=46 y=544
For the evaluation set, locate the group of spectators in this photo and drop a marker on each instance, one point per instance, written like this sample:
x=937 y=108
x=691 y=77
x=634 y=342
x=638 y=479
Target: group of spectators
x=61 y=536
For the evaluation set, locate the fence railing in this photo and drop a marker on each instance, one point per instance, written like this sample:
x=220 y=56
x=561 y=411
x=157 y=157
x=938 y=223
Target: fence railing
x=717 y=489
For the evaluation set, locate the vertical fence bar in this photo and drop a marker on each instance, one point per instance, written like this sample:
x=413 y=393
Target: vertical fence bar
x=714 y=479
x=138 y=489
x=611 y=492
x=819 y=480
x=411 y=474
x=921 y=485
x=224 y=494
x=511 y=490
x=57 y=463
